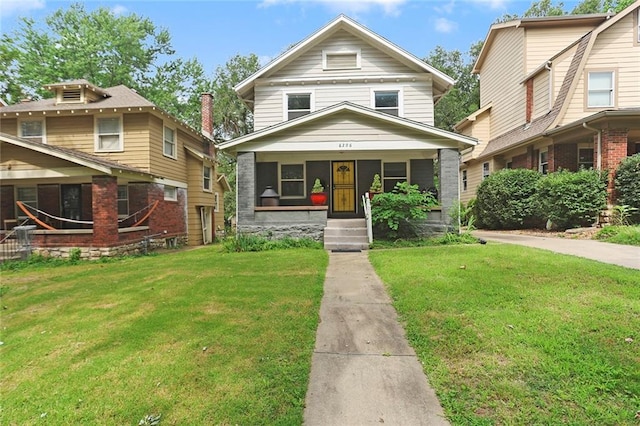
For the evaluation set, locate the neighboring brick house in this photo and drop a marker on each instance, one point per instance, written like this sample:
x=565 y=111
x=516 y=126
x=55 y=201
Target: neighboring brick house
x=105 y=168
x=556 y=92
x=340 y=106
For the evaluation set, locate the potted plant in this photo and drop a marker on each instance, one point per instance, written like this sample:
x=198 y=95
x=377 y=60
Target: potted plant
x=376 y=186
x=318 y=196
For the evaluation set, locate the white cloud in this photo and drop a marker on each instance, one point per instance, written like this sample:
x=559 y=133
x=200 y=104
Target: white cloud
x=446 y=8
x=119 y=10
x=389 y=7
x=492 y=4
x=444 y=25
x=15 y=7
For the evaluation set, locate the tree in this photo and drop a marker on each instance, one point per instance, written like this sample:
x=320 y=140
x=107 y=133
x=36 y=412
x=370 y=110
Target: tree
x=464 y=97
x=545 y=8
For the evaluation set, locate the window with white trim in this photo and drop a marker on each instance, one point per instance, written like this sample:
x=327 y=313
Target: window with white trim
x=292 y=180
x=341 y=60
x=298 y=104
x=123 y=200
x=485 y=170
x=170 y=193
x=600 y=89
x=169 y=142
x=29 y=196
x=393 y=173
x=543 y=162
x=387 y=101
x=637 y=26
x=585 y=157
x=33 y=130
x=109 y=134
x=216 y=202
x=206 y=178
x=464 y=180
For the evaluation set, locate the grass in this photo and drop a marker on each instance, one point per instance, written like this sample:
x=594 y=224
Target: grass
x=198 y=337
x=628 y=235
x=513 y=335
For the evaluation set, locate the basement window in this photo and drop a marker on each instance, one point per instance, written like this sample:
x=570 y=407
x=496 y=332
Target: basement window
x=170 y=193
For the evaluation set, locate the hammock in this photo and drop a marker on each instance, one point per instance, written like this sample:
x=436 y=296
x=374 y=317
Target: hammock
x=26 y=209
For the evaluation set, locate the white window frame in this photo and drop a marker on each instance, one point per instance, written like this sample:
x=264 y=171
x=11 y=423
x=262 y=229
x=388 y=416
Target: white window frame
x=636 y=18
x=285 y=102
x=399 y=179
x=216 y=202
x=31 y=202
x=126 y=199
x=465 y=180
x=543 y=166
x=173 y=143
x=341 y=52
x=611 y=90
x=486 y=170
x=120 y=133
x=397 y=89
x=303 y=180
x=207 y=181
x=42 y=138
x=170 y=193
x=589 y=147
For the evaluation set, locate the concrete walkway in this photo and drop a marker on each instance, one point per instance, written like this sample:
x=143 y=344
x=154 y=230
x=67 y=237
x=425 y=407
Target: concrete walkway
x=617 y=254
x=363 y=370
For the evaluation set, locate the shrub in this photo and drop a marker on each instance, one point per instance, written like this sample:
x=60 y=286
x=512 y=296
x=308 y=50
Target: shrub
x=506 y=200
x=627 y=185
x=252 y=242
x=393 y=214
x=572 y=199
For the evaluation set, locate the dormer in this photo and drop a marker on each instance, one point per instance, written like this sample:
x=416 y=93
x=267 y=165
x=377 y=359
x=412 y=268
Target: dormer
x=76 y=92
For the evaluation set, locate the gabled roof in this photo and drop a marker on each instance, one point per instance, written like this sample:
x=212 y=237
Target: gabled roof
x=357 y=109
x=342 y=22
x=93 y=162
x=77 y=84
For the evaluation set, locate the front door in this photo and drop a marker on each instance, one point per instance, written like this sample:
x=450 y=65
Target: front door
x=344 y=192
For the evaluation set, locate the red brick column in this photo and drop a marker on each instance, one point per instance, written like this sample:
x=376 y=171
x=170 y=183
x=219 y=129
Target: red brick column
x=614 y=150
x=104 y=203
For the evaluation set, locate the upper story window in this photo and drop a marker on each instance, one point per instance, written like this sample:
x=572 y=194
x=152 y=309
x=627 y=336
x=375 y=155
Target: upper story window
x=169 y=144
x=298 y=104
x=341 y=60
x=637 y=26
x=33 y=130
x=387 y=101
x=206 y=178
x=600 y=89
x=292 y=180
x=393 y=173
x=109 y=134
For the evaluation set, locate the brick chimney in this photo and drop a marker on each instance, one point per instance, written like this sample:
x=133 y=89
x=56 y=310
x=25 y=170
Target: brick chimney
x=207 y=115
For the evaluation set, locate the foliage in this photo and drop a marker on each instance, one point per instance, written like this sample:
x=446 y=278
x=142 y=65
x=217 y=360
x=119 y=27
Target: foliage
x=464 y=98
x=463 y=214
x=317 y=187
x=251 y=242
x=627 y=185
x=547 y=8
x=627 y=235
x=376 y=184
x=622 y=215
x=394 y=213
x=572 y=199
x=446 y=239
x=510 y=335
x=506 y=200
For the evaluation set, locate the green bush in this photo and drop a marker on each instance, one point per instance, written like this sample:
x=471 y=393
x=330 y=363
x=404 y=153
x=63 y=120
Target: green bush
x=251 y=242
x=572 y=199
x=627 y=185
x=394 y=214
x=506 y=200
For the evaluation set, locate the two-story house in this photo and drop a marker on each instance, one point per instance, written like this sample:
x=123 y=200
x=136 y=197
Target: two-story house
x=342 y=105
x=101 y=169
x=556 y=92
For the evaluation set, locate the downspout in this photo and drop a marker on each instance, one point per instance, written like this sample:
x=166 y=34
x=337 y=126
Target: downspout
x=598 y=144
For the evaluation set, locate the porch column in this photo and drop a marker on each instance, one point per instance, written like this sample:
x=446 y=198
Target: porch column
x=246 y=187
x=614 y=150
x=104 y=204
x=449 y=185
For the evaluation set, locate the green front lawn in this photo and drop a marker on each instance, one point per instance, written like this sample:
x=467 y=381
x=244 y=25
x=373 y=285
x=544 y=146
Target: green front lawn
x=200 y=337
x=512 y=335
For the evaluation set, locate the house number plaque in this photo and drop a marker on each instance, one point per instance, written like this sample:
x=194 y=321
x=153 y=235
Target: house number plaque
x=344 y=145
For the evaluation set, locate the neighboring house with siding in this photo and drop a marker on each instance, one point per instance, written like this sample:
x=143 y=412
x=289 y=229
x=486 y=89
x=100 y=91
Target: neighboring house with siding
x=105 y=168
x=341 y=106
x=556 y=92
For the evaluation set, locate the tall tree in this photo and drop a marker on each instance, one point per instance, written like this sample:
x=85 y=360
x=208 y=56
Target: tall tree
x=464 y=97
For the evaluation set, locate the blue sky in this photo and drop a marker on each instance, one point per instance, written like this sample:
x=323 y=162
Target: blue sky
x=214 y=31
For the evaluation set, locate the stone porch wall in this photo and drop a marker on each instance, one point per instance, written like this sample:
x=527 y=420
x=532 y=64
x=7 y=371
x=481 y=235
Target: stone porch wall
x=284 y=221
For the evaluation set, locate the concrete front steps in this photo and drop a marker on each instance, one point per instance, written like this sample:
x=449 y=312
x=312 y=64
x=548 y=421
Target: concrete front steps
x=346 y=234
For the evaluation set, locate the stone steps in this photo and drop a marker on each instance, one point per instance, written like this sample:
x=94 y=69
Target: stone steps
x=346 y=235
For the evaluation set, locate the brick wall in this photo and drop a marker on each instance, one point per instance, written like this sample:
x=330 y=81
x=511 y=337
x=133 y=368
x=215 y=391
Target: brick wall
x=519 y=162
x=105 y=211
x=565 y=157
x=170 y=216
x=614 y=150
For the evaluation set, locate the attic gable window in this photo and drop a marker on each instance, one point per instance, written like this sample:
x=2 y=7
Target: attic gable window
x=71 y=95
x=341 y=60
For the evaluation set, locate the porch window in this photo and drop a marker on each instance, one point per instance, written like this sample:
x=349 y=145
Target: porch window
x=393 y=173
x=387 y=101
x=33 y=130
x=292 y=180
x=485 y=170
x=464 y=180
x=543 y=163
x=585 y=158
x=206 y=178
x=108 y=134
x=298 y=104
x=123 y=200
x=169 y=146
x=28 y=195
x=600 y=92
x=170 y=193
